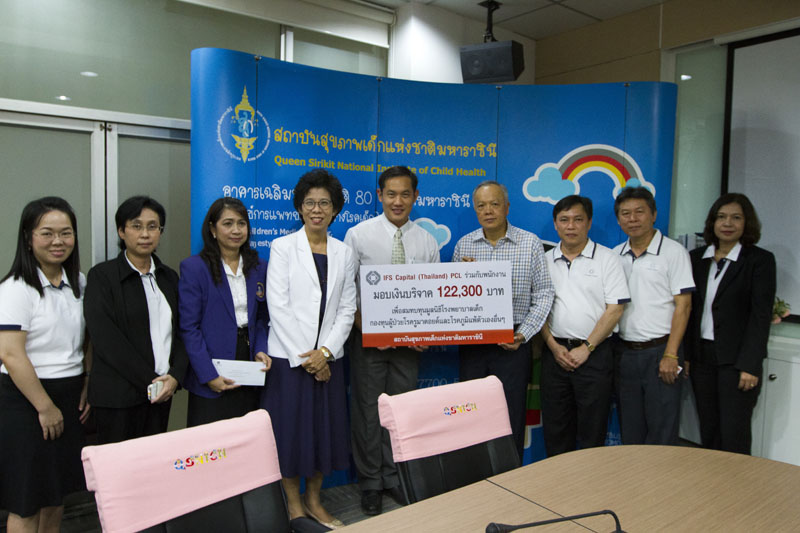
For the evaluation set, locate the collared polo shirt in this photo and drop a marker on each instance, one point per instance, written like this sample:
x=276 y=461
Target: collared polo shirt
x=53 y=322
x=654 y=278
x=584 y=286
x=716 y=272
x=531 y=287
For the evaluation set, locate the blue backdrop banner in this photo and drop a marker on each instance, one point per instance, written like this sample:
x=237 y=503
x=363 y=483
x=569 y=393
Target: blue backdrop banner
x=258 y=124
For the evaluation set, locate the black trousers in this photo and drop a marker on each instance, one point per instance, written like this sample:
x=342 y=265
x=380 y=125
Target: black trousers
x=119 y=424
x=512 y=368
x=650 y=409
x=575 y=404
x=373 y=372
x=725 y=412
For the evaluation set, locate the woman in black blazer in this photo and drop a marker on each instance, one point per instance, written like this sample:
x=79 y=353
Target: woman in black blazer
x=131 y=311
x=726 y=340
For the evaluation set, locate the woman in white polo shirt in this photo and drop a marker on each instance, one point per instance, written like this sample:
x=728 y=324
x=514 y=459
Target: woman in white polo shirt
x=42 y=383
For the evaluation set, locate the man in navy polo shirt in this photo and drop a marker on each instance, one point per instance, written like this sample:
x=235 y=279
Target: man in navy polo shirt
x=660 y=279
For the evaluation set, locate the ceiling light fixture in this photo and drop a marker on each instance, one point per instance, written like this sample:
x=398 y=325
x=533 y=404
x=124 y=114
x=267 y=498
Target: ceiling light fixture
x=89 y=74
x=685 y=77
x=63 y=98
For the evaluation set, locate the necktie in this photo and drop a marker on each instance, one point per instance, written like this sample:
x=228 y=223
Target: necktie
x=398 y=252
x=720 y=266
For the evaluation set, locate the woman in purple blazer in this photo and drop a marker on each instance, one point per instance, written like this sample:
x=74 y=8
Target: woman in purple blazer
x=223 y=313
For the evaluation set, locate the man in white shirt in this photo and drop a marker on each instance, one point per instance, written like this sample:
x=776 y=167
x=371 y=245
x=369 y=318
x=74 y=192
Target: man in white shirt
x=578 y=363
x=660 y=279
x=390 y=238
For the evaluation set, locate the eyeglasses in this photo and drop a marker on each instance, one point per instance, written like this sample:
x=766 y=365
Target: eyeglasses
x=323 y=204
x=152 y=227
x=49 y=236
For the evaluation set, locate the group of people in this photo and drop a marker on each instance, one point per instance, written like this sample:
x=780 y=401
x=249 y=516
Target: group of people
x=703 y=315
x=127 y=337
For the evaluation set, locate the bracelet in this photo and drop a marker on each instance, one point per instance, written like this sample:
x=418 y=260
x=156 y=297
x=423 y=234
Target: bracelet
x=670 y=356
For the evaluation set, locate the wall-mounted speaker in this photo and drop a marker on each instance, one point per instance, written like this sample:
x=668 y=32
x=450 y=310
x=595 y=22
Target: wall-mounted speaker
x=492 y=62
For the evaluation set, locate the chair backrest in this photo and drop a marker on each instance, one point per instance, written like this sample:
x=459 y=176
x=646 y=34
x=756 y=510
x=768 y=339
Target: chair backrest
x=224 y=473
x=448 y=436
x=260 y=509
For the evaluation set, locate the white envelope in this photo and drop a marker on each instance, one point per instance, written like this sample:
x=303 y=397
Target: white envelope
x=242 y=372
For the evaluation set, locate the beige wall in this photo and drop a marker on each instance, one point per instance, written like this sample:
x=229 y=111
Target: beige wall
x=628 y=48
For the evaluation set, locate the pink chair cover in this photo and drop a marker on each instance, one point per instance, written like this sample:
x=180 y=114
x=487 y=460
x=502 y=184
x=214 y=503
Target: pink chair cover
x=143 y=482
x=435 y=420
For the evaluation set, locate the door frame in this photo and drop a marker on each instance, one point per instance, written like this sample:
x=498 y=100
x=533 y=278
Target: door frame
x=105 y=127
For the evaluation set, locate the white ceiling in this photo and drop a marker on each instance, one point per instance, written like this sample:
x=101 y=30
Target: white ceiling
x=536 y=19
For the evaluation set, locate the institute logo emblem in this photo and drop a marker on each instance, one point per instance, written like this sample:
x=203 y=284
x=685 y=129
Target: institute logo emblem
x=260 y=291
x=373 y=277
x=243 y=132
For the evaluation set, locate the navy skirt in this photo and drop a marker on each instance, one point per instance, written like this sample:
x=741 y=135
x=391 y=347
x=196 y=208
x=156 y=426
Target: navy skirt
x=309 y=419
x=34 y=472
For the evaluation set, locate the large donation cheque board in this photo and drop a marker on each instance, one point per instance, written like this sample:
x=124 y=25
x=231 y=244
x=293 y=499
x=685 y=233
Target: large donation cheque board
x=436 y=303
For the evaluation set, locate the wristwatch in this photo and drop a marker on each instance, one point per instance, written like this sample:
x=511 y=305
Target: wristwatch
x=327 y=353
x=589 y=345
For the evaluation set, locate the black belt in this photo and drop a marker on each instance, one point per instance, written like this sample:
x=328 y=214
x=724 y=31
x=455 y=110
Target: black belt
x=244 y=334
x=633 y=345
x=570 y=343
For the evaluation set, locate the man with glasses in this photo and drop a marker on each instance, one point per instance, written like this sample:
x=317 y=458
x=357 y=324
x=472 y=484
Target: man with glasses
x=389 y=238
x=532 y=296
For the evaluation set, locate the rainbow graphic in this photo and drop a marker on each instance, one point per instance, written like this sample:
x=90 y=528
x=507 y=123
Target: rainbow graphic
x=553 y=181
